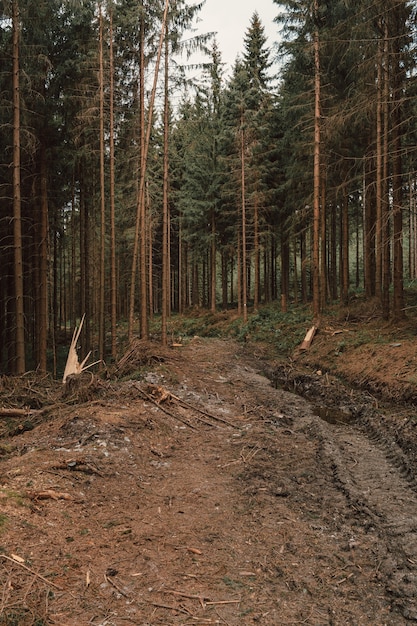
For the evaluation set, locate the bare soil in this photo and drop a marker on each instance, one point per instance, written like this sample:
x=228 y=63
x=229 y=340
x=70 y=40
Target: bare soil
x=221 y=486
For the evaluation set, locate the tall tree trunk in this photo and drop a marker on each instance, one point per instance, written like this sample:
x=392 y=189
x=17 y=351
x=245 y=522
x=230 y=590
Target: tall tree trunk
x=369 y=221
x=379 y=173
x=165 y=207
x=256 y=287
x=386 y=230
x=397 y=183
x=244 y=243
x=333 y=252
x=316 y=185
x=140 y=230
x=239 y=272
x=213 y=264
x=303 y=257
x=113 y=279
x=150 y=226
x=224 y=279
x=101 y=300
x=323 y=244
x=42 y=325
x=181 y=277
x=85 y=247
x=19 y=363
x=285 y=267
x=345 y=247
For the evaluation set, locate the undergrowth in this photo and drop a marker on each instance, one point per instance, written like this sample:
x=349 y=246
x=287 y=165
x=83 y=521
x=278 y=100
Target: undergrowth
x=269 y=324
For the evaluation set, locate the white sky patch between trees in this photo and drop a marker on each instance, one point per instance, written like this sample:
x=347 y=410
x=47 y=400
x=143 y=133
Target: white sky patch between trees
x=230 y=19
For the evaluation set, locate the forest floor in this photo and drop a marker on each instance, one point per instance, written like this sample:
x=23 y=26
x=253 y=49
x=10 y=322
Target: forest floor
x=200 y=492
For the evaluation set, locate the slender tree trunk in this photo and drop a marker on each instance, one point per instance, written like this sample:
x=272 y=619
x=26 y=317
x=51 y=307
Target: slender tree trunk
x=73 y=260
x=42 y=330
x=101 y=312
x=285 y=268
x=369 y=221
x=333 y=252
x=181 y=295
x=379 y=182
x=345 y=247
x=303 y=257
x=113 y=279
x=140 y=231
x=295 y=262
x=19 y=364
x=256 y=287
x=244 y=243
x=413 y=229
x=323 y=244
x=85 y=300
x=165 y=221
x=316 y=186
x=151 y=287
x=213 y=264
x=239 y=273
x=224 y=280
x=397 y=183
x=386 y=230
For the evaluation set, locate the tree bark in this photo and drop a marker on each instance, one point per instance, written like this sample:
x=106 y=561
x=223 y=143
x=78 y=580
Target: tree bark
x=101 y=300
x=256 y=286
x=140 y=230
x=386 y=230
x=345 y=247
x=316 y=184
x=244 y=243
x=397 y=183
x=42 y=325
x=19 y=364
x=165 y=208
x=113 y=280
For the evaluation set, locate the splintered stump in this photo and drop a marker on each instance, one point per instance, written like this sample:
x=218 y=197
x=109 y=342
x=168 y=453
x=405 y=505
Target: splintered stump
x=308 y=339
x=80 y=386
x=73 y=366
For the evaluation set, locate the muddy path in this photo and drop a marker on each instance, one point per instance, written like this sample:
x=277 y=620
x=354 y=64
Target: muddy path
x=205 y=494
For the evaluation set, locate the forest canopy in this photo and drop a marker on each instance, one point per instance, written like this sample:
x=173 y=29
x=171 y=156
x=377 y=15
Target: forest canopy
x=132 y=189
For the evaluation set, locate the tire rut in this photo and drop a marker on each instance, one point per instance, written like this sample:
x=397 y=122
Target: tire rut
x=378 y=485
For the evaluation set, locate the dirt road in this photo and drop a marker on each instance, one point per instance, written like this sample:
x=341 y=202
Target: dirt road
x=202 y=494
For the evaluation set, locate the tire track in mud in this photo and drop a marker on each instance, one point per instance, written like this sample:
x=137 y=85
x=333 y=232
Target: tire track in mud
x=376 y=485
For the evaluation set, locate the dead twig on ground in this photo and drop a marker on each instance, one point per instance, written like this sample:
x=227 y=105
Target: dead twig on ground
x=159 y=394
x=28 y=569
x=113 y=584
x=148 y=397
x=178 y=609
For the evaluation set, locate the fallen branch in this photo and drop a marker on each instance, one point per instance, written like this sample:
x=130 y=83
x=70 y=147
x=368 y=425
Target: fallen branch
x=204 y=600
x=159 y=394
x=210 y=415
x=156 y=403
x=14 y=412
x=45 y=580
x=178 y=609
x=190 y=596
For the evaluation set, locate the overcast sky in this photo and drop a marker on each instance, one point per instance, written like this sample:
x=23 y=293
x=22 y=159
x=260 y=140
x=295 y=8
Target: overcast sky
x=230 y=19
